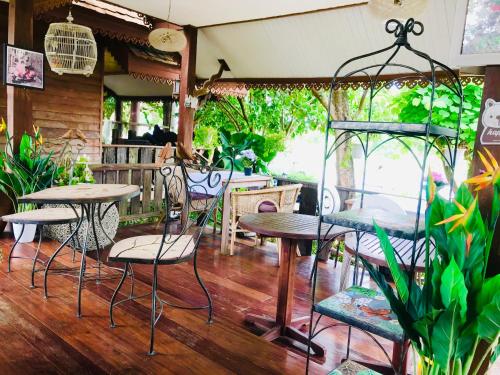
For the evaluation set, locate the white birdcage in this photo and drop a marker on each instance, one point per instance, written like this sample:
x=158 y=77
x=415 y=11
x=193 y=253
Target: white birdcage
x=70 y=48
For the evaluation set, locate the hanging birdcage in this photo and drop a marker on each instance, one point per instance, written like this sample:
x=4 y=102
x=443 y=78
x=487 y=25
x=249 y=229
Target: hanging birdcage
x=70 y=48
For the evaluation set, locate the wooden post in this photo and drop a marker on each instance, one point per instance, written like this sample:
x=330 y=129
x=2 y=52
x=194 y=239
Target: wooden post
x=135 y=108
x=187 y=85
x=117 y=133
x=20 y=34
x=491 y=93
x=167 y=113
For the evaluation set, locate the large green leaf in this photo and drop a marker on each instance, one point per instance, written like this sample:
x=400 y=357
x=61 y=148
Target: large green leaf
x=453 y=287
x=488 y=321
x=435 y=214
x=463 y=196
x=445 y=335
x=399 y=277
x=491 y=287
x=466 y=340
x=496 y=354
x=437 y=271
x=398 y=307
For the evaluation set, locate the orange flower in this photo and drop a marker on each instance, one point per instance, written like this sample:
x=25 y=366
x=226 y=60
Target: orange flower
x=3 y=126
x=38 y=135
x=432 y=189
x=468 y=243
x=461 y=218
x=491 y=176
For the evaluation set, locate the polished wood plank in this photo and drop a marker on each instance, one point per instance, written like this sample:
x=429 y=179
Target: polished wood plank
x=53 y=340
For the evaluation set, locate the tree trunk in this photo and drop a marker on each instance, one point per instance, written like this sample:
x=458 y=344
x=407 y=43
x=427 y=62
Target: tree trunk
x=343 y=155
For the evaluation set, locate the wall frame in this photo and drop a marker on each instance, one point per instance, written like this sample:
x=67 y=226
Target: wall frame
x=23 y=68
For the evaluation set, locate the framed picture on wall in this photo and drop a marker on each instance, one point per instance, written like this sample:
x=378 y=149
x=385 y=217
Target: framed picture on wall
x=476 y=33
x=23 y=67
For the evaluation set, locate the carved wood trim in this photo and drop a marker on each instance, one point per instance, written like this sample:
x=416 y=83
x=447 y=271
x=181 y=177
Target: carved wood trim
x=43 y=6
x=241 y=86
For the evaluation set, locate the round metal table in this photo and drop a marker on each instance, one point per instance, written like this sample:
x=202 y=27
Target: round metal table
x=290 y=228
x=89 y=198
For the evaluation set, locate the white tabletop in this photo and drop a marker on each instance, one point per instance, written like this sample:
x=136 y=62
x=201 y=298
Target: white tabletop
x=83 y=193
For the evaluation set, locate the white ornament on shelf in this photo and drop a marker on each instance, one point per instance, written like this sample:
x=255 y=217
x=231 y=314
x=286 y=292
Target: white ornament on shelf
x=70 y=48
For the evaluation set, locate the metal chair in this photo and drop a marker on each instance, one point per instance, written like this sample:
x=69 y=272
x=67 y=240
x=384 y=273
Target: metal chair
x=40 y=217
x=173 y=247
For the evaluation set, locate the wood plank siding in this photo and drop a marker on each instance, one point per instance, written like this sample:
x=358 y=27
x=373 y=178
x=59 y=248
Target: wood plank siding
x=68 y=101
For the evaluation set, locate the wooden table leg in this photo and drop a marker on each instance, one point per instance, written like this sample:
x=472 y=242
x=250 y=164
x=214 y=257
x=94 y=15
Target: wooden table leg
x=226 y=207
x=286 y=282
x=282 y=328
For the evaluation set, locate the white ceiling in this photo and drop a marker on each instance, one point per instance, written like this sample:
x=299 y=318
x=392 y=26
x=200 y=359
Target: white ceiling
x=209 y=12
x=316 y=44
x=305 y=45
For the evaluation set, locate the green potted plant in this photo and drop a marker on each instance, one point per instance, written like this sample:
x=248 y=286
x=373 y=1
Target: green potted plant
x=75 y=173
x=248 y=159
x=458 y=306
x=25 y=172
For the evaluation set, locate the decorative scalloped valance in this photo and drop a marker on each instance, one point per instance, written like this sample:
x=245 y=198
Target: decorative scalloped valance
x=151 y=78
x=240 y=88
x=42 y=6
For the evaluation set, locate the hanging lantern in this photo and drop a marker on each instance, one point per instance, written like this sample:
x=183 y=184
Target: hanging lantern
x=70 y=48
x=166 y=39
x=399 y=9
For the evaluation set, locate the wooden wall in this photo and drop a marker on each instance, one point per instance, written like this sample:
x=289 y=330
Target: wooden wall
x=68 y=101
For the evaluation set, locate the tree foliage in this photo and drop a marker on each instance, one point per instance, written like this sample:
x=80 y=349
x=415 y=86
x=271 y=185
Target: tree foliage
x=262 y=121
x=109 y=107
x=413 y=106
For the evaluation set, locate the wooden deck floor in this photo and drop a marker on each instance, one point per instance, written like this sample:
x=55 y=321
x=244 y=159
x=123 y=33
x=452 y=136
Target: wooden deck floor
x=44 y=336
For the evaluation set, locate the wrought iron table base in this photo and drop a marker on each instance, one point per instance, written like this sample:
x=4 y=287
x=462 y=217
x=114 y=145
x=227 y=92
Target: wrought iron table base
x=88 y=211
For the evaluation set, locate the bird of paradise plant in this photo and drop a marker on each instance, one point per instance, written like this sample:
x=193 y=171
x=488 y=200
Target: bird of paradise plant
x=26 y=171
x=458 y=306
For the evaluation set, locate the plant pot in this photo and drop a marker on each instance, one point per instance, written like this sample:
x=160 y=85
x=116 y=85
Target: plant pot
x=248 y=171
x=5 y=209
x=109 y=222
x=28 y=234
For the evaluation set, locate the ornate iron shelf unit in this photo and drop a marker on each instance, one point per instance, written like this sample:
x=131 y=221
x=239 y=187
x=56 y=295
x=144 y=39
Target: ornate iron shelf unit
x=374 y=133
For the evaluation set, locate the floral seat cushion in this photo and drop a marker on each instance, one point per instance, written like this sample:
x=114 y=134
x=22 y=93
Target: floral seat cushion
x=352 y=368
x=363 y=308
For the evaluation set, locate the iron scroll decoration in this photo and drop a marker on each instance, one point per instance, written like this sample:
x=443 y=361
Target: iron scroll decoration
x=396 y=27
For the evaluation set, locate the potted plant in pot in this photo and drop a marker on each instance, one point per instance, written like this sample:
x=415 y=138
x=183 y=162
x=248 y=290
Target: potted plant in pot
x=24 y=172
x=458 y=306
x=248 y=159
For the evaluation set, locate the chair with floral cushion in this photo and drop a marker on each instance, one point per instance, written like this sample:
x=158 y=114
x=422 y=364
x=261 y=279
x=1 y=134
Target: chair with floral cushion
x=275 y=199
x=179 y=241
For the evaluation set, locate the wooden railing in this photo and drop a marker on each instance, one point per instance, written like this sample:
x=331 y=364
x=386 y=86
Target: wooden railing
x=132 y=154
x=133 y=164
x=147 y=176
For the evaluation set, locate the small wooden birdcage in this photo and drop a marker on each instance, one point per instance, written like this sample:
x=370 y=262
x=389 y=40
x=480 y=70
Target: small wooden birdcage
x=70 y=48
